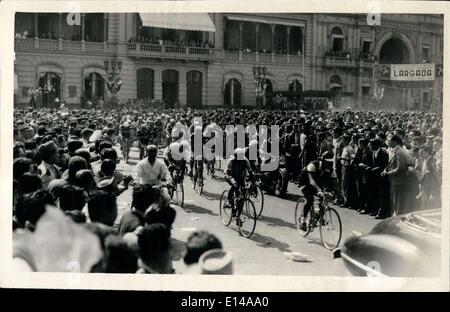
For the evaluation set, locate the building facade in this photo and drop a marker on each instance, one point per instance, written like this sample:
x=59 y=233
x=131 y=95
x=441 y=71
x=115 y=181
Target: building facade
x=325 y=52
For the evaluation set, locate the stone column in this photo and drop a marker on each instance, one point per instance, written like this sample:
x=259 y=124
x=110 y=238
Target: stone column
x=257 y=41
x=158 y=85
x=272 y=47
x=105 y=27
x=241 y=36
x=60 y=35
x=93 y=80
x=288 y=33
x=36 y=31
x=182 y=88
x=241 y=26
x=257 y=37
x=83 y=42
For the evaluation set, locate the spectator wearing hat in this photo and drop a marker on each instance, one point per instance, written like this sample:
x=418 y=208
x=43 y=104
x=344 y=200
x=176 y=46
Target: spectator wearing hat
x=348 y=186
x=154 y=250
x=396 y=170
x=102 y=207
x=429 y=182
x=48 y=169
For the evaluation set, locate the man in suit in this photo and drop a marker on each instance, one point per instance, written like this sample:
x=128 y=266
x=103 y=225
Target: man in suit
x=429 y=185
x=378 y=197
x=363 y=159
x=397 y=170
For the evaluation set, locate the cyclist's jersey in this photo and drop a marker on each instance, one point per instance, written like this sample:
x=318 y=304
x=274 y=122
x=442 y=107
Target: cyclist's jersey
x=143 y=135
x=126 y=132
x=237 y=169
x=170 y=160
x=311 y=168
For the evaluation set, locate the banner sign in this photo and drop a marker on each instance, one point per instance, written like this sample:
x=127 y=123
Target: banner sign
x=409 y=72
x=412 y=72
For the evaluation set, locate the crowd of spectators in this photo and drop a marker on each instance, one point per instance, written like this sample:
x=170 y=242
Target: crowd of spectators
x=66 y=180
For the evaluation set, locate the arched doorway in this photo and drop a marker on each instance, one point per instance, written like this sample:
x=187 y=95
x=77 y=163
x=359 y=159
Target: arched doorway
x=295 y=86
x=145 y=78
x=268 y=92
x=336 y=88
x=50 y=84
x=94 y=88
x=194 y=89
x=170 y=86
x=232 y=93
x=393 y=51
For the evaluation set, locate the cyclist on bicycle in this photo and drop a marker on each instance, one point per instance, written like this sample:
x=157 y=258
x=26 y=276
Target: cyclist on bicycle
x=237 y=169
x=175 y=162
x=313 y=179
x=126 y=138
x=143 y=137
x=152 y=171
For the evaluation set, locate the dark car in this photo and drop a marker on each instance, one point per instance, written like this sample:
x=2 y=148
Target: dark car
x=408 y=245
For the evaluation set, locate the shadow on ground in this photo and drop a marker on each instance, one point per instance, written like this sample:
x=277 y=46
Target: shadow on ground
x=270 y=221
x=198 y=209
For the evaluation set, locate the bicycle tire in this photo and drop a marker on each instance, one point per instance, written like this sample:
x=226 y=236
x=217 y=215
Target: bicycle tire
x=278 y=183
x=298 y=213
x=248 y=212
x=225 y=212
x=328 y=216
x=218 y=164
x=258 y=200
x=179 y=191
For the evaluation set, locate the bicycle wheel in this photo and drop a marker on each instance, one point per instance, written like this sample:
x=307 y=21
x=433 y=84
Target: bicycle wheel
x=278 y=183
x=257 y=197
x=179 y=194
x=330 y=229
x=298 y=214
x=247 y=219
x=217 y=164
x=225 y=212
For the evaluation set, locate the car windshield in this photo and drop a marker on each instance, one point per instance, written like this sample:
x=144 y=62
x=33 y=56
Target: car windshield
x=429 y=221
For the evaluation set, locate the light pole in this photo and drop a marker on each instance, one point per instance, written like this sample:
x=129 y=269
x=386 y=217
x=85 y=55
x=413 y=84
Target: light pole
x=259 y=73
x=113 y=68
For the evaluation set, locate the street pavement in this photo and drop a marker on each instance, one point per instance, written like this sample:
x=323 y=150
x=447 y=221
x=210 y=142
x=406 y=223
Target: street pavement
x=264 y=253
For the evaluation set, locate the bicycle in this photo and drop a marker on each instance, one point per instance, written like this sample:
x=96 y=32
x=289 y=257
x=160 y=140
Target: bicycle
x=243 y=210
x=256 y=194
x=126 y=147
x=197 y=177
x=177 y=189
x=327 y=218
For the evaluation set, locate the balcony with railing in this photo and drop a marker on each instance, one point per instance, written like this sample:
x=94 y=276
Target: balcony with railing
x=263 y=58
x=37 y=44
x=167 y=51
x=338 y=59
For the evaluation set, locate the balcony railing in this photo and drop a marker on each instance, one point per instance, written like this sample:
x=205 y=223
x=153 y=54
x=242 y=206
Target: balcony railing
x=161 y=51
x=263 y=58
x=60 y=45
x=336 y=61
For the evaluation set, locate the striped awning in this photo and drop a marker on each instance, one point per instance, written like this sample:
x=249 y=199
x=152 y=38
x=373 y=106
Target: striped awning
x=185 y=21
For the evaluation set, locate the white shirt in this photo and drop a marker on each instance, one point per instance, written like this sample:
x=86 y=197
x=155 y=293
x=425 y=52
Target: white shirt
x=148 y=174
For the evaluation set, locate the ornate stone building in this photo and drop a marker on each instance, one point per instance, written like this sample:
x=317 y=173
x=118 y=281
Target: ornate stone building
x=211 y=63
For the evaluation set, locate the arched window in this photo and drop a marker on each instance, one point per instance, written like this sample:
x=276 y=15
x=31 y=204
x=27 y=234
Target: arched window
x=145 y=83
x=194 y=89
x=50 y=85
x=295 y=86
x=268 y=92
x=337 y=37
x=335 y=79
x=170 y=86
x=94 y=87
x=295 y=40
x=232 y=93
